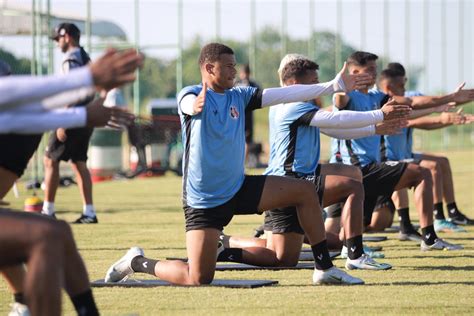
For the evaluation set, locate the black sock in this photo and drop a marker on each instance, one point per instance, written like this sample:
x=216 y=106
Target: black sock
x=438 y=211
x=84 y=304
x=344 y=242
x=404 y=218
x=19 y=298
x=145 y=265
x=230 y=254
x=429 y=235
x=355 y=248
x=452 y=209
x=322 y=260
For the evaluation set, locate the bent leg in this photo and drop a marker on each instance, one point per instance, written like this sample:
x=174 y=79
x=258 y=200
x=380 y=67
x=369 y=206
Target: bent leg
x=420 y=178
x=201 y=245
x=37 y=241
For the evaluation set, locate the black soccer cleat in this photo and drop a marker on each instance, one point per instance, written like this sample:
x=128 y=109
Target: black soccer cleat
x=86 y=220
x=259 y=231
x=460 y=219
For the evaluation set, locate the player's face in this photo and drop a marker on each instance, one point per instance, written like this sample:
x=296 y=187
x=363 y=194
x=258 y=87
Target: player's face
x=396 y=86
x=224 y=71
x=63 y=43
x=311 y=77
x=369 y=68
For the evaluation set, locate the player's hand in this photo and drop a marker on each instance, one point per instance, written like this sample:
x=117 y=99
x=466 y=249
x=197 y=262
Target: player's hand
x=354 y=82
x=391 y=110
x=462 y=95
x=390 y=127
x=115 y=68
x=453 y=118
x=198 y=105
x=61 y=135
x=446 y=107
x=99 y=115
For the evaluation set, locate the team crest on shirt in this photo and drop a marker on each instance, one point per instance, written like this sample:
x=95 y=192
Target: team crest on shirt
x=233 y=112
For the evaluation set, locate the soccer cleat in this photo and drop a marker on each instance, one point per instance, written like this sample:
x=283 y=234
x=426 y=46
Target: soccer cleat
x=440 y=244
x=334 y=276
x=86 y=220
x=259 y=231
x=413 y=236
x=53 y=215
x=442 y=225
x=220 y=248
x=122 y=269
x=408 y=232
x=459 y=218
x=367 y=250
x=365 y=262
x=19 y=309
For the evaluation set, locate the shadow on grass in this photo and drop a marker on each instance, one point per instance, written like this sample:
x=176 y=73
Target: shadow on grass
x=435 y=257
x=442 y=268
x=401 y=283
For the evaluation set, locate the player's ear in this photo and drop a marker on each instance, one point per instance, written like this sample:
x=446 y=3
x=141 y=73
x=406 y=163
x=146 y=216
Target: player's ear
x=209 y=68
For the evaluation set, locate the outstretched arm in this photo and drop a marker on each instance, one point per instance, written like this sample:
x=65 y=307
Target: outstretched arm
x=460 y=96
x=294 y=93
x=444 y=120
x=21 y=90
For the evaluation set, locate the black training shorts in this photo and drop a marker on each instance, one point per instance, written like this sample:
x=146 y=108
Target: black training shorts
x=244 y=202
x=16 y=151
x=74 y=148
x=379 y=179
x=285 y=220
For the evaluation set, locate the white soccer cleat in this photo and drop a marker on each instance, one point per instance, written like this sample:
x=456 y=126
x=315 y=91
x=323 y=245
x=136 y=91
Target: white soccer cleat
x=440 y=244
x=365 y=262
x=122 y=269
x=19 y=309
x=334 y=276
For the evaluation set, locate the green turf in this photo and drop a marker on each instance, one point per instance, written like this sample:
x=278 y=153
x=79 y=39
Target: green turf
x=147 y=212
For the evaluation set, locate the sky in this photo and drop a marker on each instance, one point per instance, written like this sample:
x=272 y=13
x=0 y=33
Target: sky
x=381 y=27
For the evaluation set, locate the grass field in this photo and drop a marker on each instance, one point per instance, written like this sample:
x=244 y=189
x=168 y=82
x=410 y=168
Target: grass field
x=147 y=212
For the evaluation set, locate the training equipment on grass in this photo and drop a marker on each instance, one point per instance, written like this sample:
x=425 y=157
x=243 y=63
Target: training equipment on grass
x=304 y=256
x=241 y=266
x=248 y=284
x=374 y=238
x=33 y=204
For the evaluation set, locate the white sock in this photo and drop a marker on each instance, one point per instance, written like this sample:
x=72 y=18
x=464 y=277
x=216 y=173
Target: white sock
x=48 y=208
x=88 y=210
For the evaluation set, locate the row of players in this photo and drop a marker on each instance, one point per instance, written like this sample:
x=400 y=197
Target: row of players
x=295 y=185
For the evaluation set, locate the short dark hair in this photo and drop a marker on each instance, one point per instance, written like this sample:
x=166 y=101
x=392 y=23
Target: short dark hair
x=297 y=68
x=67 y=28
x=212 y=52
x=397 y=67
x=390 y=73
x=361 y=58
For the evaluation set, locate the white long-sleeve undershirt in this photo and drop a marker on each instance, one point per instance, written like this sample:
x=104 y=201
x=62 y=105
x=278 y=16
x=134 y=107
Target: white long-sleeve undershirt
x=18 y=91
x=350 y=133
x=300 y=92
x=346 y=119
x=274 y=96
x=36 y=123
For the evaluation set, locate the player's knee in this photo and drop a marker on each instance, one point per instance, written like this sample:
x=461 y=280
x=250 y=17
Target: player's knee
x=426 y=176
x=444 y=163
x=201 y=279
x=51 y=164
x=287 y=261
x=307 y=191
